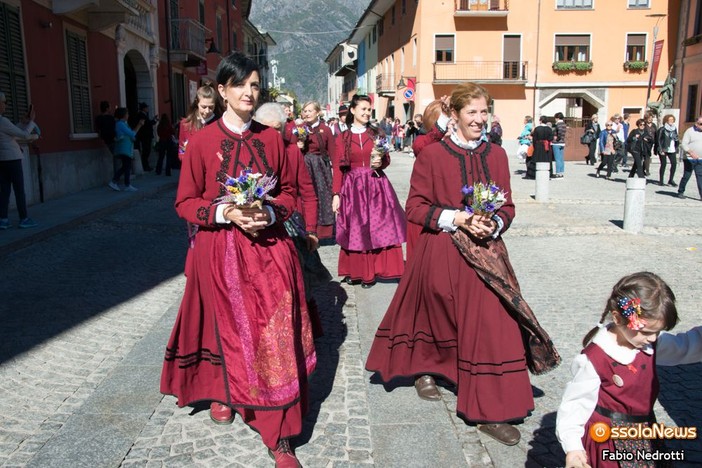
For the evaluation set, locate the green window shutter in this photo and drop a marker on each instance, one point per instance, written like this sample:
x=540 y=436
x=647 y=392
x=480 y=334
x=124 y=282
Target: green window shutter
x=13 y=79
x=79 y=83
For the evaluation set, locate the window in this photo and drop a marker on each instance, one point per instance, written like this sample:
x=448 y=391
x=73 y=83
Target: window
x=635 y=47
x=375 y=29
x=78 y=83
x=392 y=20
x=381 y=26
x=402 y=60
x=572 y=48
x=202 y=12
x=691 y=113
x=414 y=52
x=218 y=28
x=639 y=3
x=572 y=4
x=443 y=47
x=698 y=19
x=13 y=80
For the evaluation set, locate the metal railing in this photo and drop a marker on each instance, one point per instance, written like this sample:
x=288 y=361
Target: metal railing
x=480 y=71
x=188 y=36
x=481 y=5
x=385 y=83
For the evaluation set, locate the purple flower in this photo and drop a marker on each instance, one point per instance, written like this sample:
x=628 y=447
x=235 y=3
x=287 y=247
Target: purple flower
x=259 y=192
x=488 y=207
x=469 y=209
x=494 y=188
x=468 y=190
x=231 y=181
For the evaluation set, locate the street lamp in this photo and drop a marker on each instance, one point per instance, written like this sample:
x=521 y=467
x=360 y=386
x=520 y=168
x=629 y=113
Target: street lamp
x=658 y=17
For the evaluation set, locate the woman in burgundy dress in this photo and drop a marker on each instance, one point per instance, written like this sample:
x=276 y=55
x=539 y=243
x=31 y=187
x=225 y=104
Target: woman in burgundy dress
x=242 y=336
x=318 y=150
x=370 y=224
x=444 y=319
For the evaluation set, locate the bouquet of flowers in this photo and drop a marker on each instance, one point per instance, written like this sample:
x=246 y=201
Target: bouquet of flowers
x=301 y=132
x=483 y=199
x=381 y=147
x=181 y=149
x=250 y=189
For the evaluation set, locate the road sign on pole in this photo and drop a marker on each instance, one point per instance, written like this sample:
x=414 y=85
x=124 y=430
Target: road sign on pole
x=408 y=94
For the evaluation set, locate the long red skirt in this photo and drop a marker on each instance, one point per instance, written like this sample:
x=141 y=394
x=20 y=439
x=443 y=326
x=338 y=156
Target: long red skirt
x=369 y=266
x=444 y=321
x=243 y=336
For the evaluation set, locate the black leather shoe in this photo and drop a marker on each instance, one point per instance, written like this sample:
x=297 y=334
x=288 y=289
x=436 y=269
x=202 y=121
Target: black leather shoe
x=368 y=285
x=503 y=433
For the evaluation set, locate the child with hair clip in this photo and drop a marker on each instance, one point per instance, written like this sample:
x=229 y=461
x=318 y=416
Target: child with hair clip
x=615 y=379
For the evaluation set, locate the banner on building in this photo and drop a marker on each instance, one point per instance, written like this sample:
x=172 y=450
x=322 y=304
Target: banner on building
x=657 y=52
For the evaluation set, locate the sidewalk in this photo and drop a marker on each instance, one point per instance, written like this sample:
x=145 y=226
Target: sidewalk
x=56 y=215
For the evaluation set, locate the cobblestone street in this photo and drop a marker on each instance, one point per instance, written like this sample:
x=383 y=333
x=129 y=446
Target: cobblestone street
x=87 y=309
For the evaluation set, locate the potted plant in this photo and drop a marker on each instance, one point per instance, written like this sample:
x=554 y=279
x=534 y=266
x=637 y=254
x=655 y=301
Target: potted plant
x=636 y=65
x=583 y=66
x=563 y=66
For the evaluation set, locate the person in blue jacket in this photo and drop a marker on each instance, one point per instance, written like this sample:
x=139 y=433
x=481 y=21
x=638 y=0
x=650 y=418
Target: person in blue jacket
x=124 y=149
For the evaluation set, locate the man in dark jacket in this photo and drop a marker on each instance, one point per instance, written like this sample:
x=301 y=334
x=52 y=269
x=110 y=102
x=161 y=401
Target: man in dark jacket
x=145 y=136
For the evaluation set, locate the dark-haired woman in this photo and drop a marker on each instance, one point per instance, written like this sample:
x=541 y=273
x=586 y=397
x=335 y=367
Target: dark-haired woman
x=637 y=143
x=205 y=109
x=242 y=336
x=370 y=225
x=318 y=150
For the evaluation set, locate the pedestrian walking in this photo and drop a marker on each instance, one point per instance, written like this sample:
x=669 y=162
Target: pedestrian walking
x=559 y=137
x=243 y=335
x=447 y=318
x=594 y=129
x=124 y=150
x=652 y=130
x=542 y=138
x=105 y=126
x=609 y=144
x=668 y=141
x=637 y=144
x=692 y=157
x=398 y=134
x=318 y=150
x=524 y=139
x=11 y=156
x=370 y=223
x=495 y=134
x=614 y=378
x=167 y=145
x=145 y=135
x=625 y=136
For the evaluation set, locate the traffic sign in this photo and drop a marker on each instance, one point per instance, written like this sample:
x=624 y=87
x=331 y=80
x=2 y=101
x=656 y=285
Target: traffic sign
x=408 y=94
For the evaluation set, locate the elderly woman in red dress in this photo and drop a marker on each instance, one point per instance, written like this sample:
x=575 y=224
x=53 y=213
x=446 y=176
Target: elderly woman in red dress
x=242 y=336
x=445 y=319
x=370 y=225
x=318 y=149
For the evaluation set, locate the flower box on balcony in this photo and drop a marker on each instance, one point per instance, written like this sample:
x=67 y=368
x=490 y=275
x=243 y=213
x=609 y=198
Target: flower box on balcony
x=635 y=65
x=571 y=66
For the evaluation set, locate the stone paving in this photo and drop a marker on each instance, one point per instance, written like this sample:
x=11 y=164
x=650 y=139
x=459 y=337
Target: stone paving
x=87 y=308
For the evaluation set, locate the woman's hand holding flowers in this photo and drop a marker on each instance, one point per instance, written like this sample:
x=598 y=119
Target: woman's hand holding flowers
x=250 y=220
x=477 y=224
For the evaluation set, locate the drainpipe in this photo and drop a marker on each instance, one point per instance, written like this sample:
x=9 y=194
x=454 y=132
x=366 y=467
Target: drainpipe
x=536 y=73
x=167 y=20
x=229 y=30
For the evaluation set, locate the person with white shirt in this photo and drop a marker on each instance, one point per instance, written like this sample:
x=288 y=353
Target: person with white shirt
x=692 y=157
x=11 y=173
x=614 y=378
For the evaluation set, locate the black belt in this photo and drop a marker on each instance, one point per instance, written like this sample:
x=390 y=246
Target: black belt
x=614 y=416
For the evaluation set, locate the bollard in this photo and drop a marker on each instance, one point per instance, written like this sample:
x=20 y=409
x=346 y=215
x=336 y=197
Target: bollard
x=542 y=178
x=634 y=204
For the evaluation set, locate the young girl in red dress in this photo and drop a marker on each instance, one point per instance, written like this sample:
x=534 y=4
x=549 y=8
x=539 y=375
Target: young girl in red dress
x=614 y=378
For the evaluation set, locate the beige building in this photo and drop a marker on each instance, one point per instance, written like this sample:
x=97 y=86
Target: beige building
x=536 y=57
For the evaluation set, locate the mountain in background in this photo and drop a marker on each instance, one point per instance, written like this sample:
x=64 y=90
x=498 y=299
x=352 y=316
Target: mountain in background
x=305 y=33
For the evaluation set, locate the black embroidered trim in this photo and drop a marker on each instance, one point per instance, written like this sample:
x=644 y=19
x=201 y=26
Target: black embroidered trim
x=192 y=359
x=261 y=152
x=430 y=214
x=203 y=214
x=462 y=162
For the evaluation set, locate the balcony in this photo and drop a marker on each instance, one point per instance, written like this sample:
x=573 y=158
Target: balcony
x=187 y=41
x=101 y=15
x=385 y=84
x=481 y=8
x=481 y=72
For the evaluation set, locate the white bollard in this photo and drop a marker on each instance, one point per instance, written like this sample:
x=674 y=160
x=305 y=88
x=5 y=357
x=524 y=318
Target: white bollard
x=634 y=203
x=543 y=176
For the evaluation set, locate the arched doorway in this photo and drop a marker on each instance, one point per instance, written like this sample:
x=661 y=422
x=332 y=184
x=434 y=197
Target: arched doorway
x=137 y=82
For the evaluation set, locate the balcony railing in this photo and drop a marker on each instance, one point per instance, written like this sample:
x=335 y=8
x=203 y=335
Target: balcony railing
x=491 y=72
x=481 y=7
x=385 y=83
x=188 y=39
